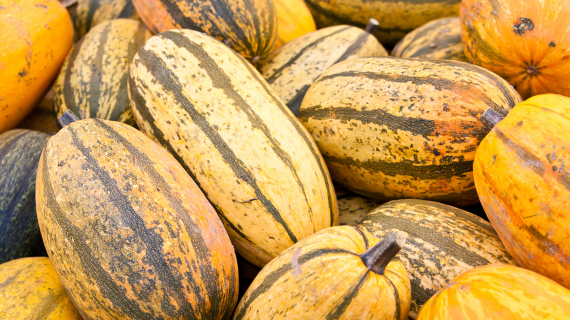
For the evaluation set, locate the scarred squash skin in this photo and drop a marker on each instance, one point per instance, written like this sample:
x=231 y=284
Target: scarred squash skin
x=294 y=20
x=522 y=175
x=499 y=292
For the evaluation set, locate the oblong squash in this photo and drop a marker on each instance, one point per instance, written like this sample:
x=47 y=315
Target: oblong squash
x=93 y=80
x=293 y=68
x=293 y=19
x=90 y=13
x=30 y=289
x=352 y=207
x=130 y=234
x=393 y=128
x=255 y=162
x=443 y=242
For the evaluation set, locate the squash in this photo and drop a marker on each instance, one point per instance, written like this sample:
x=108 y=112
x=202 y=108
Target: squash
x=437 y=39
x=293 y=68
x=498 y=292
x=90 y=13
x=337 y=273
x=130 y=234
x=526 y=43
x=443 y=242
x=19 y=155
x=249 y=27
x=293 y=19
x=393 y=128
x=29 y=56
x=30 y=289
x=93 y=80
x=255 y=162
x=522 y=178
x=352 y=207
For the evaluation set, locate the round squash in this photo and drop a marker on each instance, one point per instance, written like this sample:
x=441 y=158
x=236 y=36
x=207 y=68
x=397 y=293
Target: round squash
x=293 y=19
x=30 y=289
x=437 y=39
x=443 y=242
x=527 y=43
x=90 y=13
x=93 y=80
x=36 y=36
x=393 y=128
x=130 y=234
x=498 y=292
x=352 y=207
x=523 y=180
x=249 y=27
x=337 y=273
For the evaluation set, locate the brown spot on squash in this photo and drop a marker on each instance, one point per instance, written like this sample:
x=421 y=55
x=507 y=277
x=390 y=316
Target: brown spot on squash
x=523 y=25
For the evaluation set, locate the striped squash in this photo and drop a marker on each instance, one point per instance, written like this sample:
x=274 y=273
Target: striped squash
x=443 y=242
x=19 y=155
x=396 y=18
x=293 y=19
x=254 y=161
x=331 y=275
x=90 y=13
x=248 y=26
x=93 y=80
x=393 y=128
x=437 y=39
x=293 y=68
x=130 y=234
x=352 y=207
x=30 y=289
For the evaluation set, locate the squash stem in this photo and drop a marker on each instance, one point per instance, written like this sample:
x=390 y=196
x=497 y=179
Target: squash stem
x=66 y=118
x=378 y=257
x=491 y=118
x=372 y=27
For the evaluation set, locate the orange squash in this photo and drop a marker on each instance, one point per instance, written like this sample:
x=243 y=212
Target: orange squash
x=34 y=40
x=293 y=19
x=527 y=43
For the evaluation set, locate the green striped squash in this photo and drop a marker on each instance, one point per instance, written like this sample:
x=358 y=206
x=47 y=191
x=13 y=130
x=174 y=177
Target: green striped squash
x=90 y=13
x=93 y=80
x=352 y=207
x=19 y=155
x=254 y=161
x=443 y=242
x=395 y=128
x=292 y=69
x=396 y=18
x=437 y=39
x=129 y=233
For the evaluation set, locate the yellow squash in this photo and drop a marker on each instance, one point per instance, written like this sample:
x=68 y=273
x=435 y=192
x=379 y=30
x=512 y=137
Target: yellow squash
x=293 y=20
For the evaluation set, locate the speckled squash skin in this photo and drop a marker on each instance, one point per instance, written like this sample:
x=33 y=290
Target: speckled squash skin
x=293 y=68
x=443 y=242
x=90 y=13
x=352 y=207
x=30 y=289
x=393 y=128
x=437 y=39
x=93 y=80
x=324 y=277
x=130 y=234
x=254 y=161
x=293 y=19
x=498 y=292
x=522 y=178
x=527 y=42
x=248 y=26
x=19 y=156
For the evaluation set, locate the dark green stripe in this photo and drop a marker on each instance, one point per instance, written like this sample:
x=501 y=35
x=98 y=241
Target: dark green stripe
x=93 y=6
x=230 y=17
x=440 y=44
x=340 y=308
x=294 y=104
x=128 y=10
x=68 y=92
x=420 y=293
x=355 y=46
x=397 y=298
x=180 y=17
x=364 y=239
x=94 y=85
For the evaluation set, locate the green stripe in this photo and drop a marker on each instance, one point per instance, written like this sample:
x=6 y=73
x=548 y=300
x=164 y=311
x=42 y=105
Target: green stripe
x=347 y=298
x=93 y=6
x=440 y=44
x=180 y=18
x=355 y=46
x=128 y=10
x=94 y=85
x=397 y=298
x=364 y=239
x=68 y=92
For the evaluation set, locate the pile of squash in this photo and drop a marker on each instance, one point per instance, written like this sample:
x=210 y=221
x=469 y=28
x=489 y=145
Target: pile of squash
x=271 y=159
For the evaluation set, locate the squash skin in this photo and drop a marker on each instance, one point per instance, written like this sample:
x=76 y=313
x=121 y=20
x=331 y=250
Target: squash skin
x=30 y=289
x=132 y=237
x=352 y=207
x=522 y=181
x=248 y=26
x=497 y=292
x=394 y=128
x=29 y=58
x=283 y=290
x=532 y=56
x=293 y=19
x=90 y=13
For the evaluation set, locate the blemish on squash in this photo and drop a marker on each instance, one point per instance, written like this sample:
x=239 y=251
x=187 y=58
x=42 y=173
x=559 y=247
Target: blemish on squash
x=297 y=269
x=522 y=25
x=552 y=44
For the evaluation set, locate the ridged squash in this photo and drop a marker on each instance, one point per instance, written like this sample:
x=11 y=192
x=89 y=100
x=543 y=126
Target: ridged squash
x=393 y=128
x=30 y=289
x=93 y=80
x=437 y=39
x=90 y=13
x=254 y=161
x=248 y=26
x=352 y=207
x=293 y=68
x=293 y=19
x=443 y=242
x=130 y=234
x=337 y=273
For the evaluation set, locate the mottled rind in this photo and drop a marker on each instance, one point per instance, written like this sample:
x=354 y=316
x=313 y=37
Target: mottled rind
x=324 y=277
x=130 y=234
x=90 y=13
x=352 y=207
x=392 y=128
x=443 y=242
x=294 y=20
